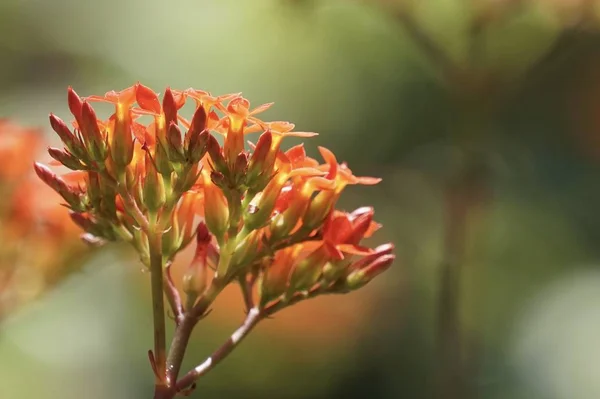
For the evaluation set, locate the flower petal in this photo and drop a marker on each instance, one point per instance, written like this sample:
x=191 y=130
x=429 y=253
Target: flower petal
x=147 y=99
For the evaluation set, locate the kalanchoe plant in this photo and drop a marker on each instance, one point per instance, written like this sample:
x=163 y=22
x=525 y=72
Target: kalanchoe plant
x=263 y=218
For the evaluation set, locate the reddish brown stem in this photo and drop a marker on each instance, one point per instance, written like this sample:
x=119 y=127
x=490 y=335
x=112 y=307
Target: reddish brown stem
x=252 y=319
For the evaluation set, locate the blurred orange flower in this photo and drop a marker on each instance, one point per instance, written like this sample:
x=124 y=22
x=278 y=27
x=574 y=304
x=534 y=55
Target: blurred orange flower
x=40 y=243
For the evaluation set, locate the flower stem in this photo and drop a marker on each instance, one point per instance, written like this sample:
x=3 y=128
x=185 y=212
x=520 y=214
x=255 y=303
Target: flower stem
x=184 y=330
x=252 y=319
x=158 y=307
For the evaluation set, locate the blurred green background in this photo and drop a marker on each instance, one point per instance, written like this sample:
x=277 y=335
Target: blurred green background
x=482 y=117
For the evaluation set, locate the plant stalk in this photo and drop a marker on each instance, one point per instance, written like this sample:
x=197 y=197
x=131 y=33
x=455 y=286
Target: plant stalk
x=158 y=311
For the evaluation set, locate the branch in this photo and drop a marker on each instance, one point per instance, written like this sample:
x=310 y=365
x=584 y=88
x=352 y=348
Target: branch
x=435 y=53
x=173 y=296
x=252 y=319
x=184 y=330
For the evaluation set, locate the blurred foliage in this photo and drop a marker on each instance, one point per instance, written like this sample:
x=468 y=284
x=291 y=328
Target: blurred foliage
x=349 y=70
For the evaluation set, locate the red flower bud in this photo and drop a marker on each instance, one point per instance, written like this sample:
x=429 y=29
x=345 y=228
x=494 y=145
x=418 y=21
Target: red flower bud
x=198 y=122
x=216 y=155
x=169 y=107
x=259 y=165
x=194 y=279
x=65 y=158
x=174 y=143
x=360 y=277
x=75 y=103
x=91 y=133
x=57 y=184
x=66 y=136
x=197 y=145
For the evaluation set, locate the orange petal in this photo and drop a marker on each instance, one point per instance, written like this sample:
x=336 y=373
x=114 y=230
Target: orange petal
x=354 y=249
x=301 y=134
x=306 y=172
x=147 y=99
x=296 y=154
x=329 y=157
x=261 y=108
x=104 y=99
x=373 y=227
x=368 y=181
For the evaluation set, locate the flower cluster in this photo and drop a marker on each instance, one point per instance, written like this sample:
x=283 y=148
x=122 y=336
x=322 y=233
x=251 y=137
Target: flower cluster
x=273 y=210
x=260 y=216
x=29 y=220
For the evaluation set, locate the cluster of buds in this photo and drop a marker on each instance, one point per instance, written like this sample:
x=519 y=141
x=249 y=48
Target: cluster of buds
x=28 y=219
x=260 y=216
x=270 y=213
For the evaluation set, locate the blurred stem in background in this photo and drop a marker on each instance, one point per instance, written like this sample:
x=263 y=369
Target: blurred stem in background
x=479 y=93
x=478 y=90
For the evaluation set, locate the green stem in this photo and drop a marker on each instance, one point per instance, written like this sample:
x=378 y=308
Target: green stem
x=158 y=307
x=234 y=201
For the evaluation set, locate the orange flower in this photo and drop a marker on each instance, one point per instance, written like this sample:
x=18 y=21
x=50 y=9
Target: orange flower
x=17 y=150
x=264 y=214
x=41 y=244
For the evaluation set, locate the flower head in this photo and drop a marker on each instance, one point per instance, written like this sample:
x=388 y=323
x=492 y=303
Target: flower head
x=258 y=213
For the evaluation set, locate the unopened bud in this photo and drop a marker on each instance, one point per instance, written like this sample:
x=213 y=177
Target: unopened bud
x=216 y=210
x=194 y=279
x=66 y=158
x=308 y=270
x=88 y=224
x=318 y=210
x=240 y=168
x=360 y=226
x=384 y=249
x=60 y=186
x=169 y=107
x=175 y=143
x=191 y=177
x=122 y=139
x=162 y=161
x=94 y=191
x=216 y=155
x=75 y=104
x=91 y=133
x=258 y=165
x=264 y=203
x=276 y=275
x=361 y=277
x=153 y=187
x=196 y=147
x=67 y=137
x=246 y=250
x=198 y=123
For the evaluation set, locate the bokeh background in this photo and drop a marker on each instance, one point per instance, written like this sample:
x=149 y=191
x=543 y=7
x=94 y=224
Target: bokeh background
x=482 y=117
